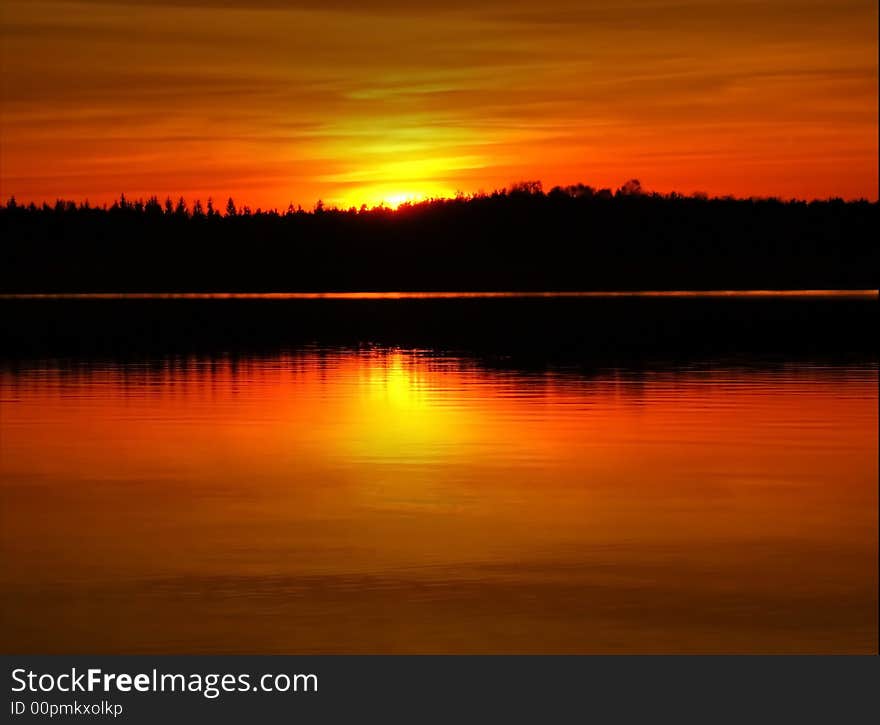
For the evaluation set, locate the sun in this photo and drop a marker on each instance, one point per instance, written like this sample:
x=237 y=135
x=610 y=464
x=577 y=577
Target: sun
x=392 y=197
x=396 y=199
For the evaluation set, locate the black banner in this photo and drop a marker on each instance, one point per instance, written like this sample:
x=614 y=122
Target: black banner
x=412 y=689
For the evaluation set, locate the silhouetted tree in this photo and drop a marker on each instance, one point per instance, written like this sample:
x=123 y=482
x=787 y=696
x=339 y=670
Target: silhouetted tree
x=180 y=211
x=527 y=187
x=633 y=187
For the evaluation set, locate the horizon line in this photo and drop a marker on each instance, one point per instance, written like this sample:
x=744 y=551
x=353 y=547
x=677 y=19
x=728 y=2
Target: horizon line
x=415 y=295
x=525 y=188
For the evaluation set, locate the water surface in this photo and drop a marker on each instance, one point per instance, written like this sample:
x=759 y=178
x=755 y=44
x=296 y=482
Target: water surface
x=381 y=498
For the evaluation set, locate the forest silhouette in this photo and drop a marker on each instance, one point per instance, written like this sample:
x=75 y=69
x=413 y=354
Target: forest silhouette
x=519 y=238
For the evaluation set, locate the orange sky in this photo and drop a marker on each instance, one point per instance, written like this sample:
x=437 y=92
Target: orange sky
x=349 y=101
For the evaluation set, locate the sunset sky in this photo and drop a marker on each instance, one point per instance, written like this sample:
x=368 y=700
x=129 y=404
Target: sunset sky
x=352 y=101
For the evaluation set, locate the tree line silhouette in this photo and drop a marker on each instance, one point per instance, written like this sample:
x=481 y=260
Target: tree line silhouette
x=519 y=238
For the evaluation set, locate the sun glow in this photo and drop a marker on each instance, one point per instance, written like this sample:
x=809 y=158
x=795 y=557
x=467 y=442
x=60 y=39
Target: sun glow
x=392 y=197
x=395 y=200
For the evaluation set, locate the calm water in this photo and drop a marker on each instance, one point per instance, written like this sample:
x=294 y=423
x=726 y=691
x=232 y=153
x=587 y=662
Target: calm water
x=383 y=499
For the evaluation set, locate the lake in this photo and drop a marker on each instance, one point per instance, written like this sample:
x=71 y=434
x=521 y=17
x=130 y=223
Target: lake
x=581 y=474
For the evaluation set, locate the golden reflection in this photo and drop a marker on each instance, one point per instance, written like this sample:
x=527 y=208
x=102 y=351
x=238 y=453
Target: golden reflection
x=398 y=413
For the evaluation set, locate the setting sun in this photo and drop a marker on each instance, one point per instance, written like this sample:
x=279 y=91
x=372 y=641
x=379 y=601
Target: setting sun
x=387 y=195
